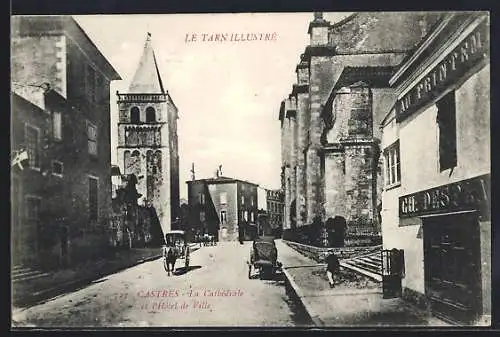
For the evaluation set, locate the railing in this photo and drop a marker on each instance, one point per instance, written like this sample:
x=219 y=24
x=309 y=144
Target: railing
x=142 y=97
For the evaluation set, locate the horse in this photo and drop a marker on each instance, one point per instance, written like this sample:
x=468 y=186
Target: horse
x=209 y=240
x=170 y=258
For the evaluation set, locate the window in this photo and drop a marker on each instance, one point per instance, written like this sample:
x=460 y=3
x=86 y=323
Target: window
x=134 y=115
x=33 y=205
x=57 y=168
x=150 y=115
x=223 y=217
x=32 y=146
x=202 y=198
x=252 y=217
x=245 y=215
x=92 y=138
x=90 y=82
x=223 y=198
x=251 y=201
x=93 y=198
x=392 y=164
x=242 y=199
x=446 y=120
x=57 y=125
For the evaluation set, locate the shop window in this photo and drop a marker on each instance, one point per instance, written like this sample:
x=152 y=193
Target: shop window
x=392 y=165
x=134 y=115
x=446 y=120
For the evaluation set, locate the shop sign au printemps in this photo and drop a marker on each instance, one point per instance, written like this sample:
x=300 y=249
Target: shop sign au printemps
x=470 y=194
x=470 y=52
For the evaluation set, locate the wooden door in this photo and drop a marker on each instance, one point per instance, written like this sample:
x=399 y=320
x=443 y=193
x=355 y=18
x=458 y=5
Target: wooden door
x=452 y=266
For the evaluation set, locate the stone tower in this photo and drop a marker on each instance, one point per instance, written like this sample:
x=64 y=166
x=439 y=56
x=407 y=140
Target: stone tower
x=147 y=139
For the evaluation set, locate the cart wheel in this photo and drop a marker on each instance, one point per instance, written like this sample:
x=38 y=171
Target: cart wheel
x=249 y=271
x=186 y=265
x=165 y=266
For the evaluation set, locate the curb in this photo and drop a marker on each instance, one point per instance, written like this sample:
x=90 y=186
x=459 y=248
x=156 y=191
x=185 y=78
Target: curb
x=46 y=294
x=314 y=317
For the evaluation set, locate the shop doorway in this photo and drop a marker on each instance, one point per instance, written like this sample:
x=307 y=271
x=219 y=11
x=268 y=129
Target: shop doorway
x=452 y=266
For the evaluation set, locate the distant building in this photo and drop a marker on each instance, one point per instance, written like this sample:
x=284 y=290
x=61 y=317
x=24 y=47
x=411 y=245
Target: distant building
x=275 y=207
x=437 y=169
x=61 y=202
x=223 y=206
x=147 y=138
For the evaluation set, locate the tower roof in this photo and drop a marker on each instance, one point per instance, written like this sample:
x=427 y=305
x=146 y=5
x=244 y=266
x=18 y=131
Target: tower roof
x=147 y=79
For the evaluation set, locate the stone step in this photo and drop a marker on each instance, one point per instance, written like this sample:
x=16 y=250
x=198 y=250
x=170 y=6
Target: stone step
x=20 y=271
x=26 y=273
x=375 y=276
x=30 y=277
x=372 y=258
x=367 y=263
x=373 y=269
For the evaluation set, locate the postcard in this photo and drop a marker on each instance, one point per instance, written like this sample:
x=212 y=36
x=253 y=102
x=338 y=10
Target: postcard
x=256 y=170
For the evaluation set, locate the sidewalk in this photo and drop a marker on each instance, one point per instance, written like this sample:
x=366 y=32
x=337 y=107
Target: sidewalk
x=30 y=292
x=356 y=300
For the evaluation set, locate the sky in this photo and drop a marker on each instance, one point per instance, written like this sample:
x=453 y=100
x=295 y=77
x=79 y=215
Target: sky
x=228 y=93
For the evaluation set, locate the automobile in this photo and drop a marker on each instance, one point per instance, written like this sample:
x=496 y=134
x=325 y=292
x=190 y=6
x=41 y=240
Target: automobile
x=263 y=257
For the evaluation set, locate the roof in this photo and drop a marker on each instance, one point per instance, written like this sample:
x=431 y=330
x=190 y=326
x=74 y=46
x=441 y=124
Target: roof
x=46 y=25
x=147 y=79
x=221 y=180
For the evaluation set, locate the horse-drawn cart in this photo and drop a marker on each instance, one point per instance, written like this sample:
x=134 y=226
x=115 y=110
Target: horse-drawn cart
x=176 y=247
x=264 y=257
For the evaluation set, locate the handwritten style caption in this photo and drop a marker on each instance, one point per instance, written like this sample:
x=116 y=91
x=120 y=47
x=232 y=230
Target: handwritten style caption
x=183 y=300
x=230 y=37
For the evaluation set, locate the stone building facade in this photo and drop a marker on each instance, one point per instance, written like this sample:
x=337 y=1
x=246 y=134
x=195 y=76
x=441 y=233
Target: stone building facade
x=147 y=139
x=224 y=206
x=329 y=122
x=436 y=147
x=275 y=207
x=61 y=116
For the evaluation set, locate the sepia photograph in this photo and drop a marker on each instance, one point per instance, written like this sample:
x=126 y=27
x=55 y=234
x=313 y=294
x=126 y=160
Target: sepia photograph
x=255 y=170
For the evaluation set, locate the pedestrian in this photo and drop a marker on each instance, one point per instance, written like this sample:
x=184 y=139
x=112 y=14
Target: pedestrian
x=332 y=268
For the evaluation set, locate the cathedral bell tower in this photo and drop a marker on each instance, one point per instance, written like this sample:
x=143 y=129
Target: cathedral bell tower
x=147 y=138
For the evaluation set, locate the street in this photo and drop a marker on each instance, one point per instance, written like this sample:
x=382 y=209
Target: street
x=214 y=292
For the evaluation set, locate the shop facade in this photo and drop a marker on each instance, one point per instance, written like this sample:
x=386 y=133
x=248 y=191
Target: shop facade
x=436 y=150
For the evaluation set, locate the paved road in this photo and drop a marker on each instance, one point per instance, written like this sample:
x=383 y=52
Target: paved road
x=214 y=292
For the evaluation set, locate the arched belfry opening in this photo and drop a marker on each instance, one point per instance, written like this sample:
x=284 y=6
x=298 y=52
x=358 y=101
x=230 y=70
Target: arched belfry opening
x=150 y=114
x=134 y=115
